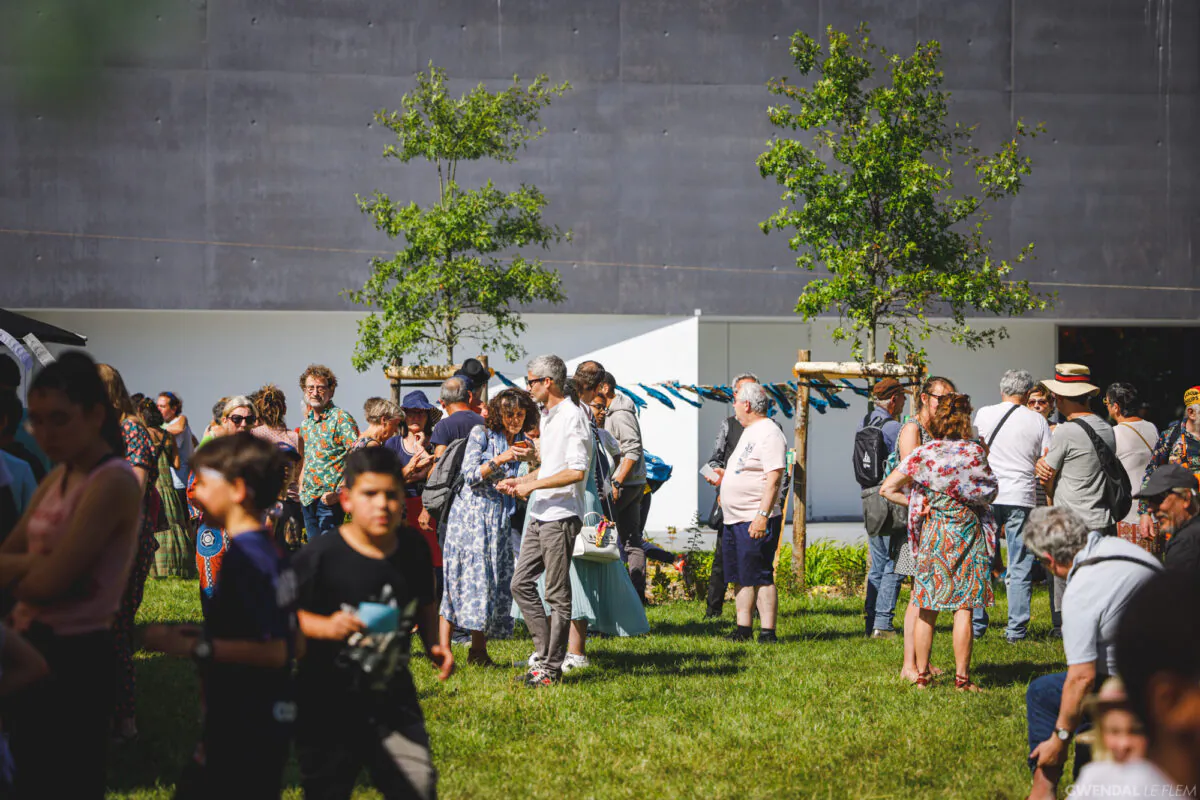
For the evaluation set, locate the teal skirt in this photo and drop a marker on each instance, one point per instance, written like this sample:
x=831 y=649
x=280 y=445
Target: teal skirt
x=603 y=595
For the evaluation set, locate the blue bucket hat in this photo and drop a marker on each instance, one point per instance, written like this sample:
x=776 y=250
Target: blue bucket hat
x=417 y=401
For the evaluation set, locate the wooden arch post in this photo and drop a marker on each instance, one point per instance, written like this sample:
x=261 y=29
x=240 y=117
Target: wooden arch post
x=427 y=376
x=824 y=371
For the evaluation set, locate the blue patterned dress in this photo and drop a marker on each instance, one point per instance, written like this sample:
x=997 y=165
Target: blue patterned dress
x=477 y=556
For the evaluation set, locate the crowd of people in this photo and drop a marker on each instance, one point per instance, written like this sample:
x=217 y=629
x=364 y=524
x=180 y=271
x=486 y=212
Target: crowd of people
x=1106 y=514
x=323 y=550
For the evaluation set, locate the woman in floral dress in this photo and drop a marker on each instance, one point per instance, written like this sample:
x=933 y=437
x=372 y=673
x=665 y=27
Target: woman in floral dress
x=951 y=529
x=476 y=554
x=140 y=453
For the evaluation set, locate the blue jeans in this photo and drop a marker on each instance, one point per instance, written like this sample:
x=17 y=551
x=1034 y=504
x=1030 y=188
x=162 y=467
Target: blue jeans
x=883 y=584
x=320 y=519
x=1042 y=701
x=1020 y=574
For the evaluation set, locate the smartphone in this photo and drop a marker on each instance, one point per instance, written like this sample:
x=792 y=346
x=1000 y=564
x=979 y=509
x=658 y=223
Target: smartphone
x=708 y=472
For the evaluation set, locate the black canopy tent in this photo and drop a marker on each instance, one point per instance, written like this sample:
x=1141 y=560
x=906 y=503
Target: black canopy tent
x=19 y=325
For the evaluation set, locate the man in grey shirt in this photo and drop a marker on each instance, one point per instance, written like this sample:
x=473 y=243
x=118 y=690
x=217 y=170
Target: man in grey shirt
x=1102 y=574
x=1072 y=463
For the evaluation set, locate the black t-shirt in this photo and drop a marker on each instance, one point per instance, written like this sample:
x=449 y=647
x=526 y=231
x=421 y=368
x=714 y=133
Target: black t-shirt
x=454 y=427
x=254 y=600
x=331 y=574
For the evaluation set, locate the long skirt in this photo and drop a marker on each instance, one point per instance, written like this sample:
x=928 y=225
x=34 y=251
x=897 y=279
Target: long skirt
x=176 y=554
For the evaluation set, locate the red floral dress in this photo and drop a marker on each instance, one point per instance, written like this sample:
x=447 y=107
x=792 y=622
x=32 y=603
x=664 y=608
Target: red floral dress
x=950 y=524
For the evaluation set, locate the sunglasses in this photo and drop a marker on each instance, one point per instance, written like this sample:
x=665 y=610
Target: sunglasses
x=531 y=381
x=238 y=419
x=1039 y=402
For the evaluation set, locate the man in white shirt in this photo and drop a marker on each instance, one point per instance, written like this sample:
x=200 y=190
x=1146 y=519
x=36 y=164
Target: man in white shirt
x=753 y=516
x=1158 y=653
x=1102 y=574
x=1016 y=437
x=556 y=504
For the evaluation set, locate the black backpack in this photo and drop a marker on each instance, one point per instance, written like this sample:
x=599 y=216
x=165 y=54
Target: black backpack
x=444 y=480
x=1118 y=495
x=870 y=452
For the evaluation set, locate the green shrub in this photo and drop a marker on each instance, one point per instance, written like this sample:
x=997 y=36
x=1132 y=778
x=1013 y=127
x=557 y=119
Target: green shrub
x=842 y=567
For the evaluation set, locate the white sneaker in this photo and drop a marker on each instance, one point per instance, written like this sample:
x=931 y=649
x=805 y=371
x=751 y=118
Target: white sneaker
x=533 y=660
x=573 y=661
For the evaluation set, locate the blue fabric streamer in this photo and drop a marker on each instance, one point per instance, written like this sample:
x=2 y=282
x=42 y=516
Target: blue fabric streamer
x=781 y=398
x=671 y=388
x=637 y=401
x=506 y=381
x=657 y=395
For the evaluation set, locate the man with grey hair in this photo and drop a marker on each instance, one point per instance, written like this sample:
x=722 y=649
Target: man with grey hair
x=1016 y=437
x=1178 y=444
x=727 y=439
x=1170 y=494
x=752 y=510
x=556 y=507
x=1102 y=574
x=457 y=423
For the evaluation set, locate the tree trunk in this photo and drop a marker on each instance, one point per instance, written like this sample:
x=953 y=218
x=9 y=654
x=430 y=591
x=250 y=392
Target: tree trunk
x=871 y=335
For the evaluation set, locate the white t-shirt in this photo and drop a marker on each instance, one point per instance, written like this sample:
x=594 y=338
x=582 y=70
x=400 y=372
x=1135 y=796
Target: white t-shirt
x=761 y=450
x=1096 y=597
x=1021 y=441
x=566 y=443
x=1135 y=445
x=1131 y=779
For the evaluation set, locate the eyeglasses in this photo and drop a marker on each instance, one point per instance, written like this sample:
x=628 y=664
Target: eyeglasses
x=1033 y=402
x=529 y=382
x=239 y=420
x=943 y=394
x=316 y=389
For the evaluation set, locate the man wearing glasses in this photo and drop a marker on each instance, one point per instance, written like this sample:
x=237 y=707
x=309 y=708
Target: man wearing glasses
x=328 y=432
x=1170 y=494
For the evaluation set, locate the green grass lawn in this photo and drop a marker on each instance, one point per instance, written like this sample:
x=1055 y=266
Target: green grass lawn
x=680 y=713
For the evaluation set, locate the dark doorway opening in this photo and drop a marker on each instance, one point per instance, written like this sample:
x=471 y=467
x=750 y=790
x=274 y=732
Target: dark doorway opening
x=1161 y=362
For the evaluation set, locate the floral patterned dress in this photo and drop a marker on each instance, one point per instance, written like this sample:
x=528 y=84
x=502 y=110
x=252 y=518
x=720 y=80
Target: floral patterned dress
x=950 y=524
x=476 y=555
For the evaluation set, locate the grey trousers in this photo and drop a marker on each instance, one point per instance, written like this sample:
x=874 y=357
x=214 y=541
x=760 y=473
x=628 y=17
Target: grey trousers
x=629 y=531
x=546 y=548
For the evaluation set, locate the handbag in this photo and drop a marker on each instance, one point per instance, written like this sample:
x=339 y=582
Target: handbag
x=597 y=541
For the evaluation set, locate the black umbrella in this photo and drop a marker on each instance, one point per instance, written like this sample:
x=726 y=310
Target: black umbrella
x=20 y=325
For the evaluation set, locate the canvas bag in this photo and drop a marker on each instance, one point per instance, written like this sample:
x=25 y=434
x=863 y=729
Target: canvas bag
x=597 y=539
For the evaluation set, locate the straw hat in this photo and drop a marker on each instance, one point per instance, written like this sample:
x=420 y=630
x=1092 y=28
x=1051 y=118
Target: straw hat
x=1071 y=380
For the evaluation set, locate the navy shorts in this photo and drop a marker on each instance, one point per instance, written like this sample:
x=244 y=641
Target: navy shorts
x=750 y=562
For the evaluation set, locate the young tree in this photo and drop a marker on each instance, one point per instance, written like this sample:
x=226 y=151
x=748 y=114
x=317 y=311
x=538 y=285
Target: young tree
x=870 y=198
x=461 y=272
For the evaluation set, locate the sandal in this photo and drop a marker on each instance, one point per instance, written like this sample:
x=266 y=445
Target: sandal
x=923 y=679
x=964 y=684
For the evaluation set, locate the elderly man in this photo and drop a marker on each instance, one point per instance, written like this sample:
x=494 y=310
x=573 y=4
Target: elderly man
x=460 y=419
x=328 y=433
x=1178 y=444
x=1158 y=651
x=555 y=511
x=752 y=510
x=1171 y=495
x=1016 y=437
x=1073 y=463
x=727 y=439
x=884 y=537
x=1102 y=574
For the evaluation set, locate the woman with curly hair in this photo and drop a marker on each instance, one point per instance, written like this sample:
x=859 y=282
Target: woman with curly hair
x=140 y=453
x=175 y=557
x=951 y=528
x=476 y=554
x=272 y=427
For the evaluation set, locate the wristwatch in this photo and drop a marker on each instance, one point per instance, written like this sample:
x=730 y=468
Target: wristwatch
x=1063 y=734
x=617 y=484
x=203 y=651
x=765 y=514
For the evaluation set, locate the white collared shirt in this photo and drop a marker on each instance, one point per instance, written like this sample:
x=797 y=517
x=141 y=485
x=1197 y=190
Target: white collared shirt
x=566 y=443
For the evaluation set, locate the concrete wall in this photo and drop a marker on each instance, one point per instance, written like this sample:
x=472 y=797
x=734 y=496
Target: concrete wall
x=217 y=162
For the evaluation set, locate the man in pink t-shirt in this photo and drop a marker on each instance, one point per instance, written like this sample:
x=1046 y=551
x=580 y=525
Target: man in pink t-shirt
x=753 y=518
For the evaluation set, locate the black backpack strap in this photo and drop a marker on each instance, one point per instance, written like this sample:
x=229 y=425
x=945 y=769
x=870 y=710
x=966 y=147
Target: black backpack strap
x=1087 y=562
x=1000 y=425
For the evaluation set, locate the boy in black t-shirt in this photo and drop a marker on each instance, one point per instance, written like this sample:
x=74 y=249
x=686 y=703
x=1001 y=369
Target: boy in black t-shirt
x=247 y=647
x=361 y=591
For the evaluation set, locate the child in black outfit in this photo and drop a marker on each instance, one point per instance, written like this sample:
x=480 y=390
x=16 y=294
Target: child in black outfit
x=361 y=591
x=247 y=647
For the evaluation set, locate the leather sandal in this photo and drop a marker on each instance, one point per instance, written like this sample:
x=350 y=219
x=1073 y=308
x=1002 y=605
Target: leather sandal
x=923 y=679
x=964 y=684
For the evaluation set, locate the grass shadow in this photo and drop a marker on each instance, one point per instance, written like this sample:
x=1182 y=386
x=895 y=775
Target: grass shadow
x=1011 y=674
x=666 y=663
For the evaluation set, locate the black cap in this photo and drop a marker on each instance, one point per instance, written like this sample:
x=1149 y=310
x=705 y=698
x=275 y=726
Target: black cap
x=474 y=373
x=1166 y=478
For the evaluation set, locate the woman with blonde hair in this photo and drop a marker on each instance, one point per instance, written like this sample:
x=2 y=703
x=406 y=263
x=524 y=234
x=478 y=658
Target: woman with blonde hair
x=139 y=452
x=271 y=405
x=952 y=530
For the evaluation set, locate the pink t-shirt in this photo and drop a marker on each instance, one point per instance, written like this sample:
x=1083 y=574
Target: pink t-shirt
x=92 y=609
x=761 y=450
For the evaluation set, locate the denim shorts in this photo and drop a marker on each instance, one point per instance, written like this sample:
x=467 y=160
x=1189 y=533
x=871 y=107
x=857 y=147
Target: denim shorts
x=748 y=561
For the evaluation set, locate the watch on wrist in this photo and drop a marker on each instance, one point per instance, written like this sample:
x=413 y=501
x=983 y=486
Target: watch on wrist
x=764 y=514
x=617 y=484
x=203 y=651
x=1063 y=734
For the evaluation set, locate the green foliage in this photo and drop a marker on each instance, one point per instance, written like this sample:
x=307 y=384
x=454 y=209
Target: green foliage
x=827 y=566
x=461 y=274
x=870 y=196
